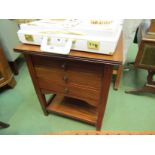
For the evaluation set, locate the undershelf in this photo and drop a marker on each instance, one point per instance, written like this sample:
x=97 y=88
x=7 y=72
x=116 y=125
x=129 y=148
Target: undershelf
x=73 y=108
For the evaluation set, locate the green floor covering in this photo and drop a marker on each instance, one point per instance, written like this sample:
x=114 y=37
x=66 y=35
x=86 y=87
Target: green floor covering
x=124 y=112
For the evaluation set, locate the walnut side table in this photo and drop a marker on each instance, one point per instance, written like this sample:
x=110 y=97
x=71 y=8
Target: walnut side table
x=79 y=81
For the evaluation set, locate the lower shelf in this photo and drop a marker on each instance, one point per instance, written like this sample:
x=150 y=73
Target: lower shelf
x=73 y=108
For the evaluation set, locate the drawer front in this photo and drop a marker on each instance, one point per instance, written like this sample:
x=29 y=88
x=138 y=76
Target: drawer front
x=85 y=74
x=47 y=62
x=49 y=70
x=52 y=75
x=91 y=96
x=90 y=80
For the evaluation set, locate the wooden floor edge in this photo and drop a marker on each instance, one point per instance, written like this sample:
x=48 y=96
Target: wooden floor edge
x=103 y=133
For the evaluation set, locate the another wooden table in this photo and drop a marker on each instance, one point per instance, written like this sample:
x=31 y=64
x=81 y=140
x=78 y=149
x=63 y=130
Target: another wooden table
x=145 y=59
x=79 y=81
x=6 y=75
x=6 y=78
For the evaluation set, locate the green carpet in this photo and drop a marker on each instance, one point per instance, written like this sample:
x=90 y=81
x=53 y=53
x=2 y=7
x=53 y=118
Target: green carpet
x=124 y=112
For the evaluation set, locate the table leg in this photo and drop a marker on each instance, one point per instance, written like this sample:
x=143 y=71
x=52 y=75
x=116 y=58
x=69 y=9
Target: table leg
x=107 y=75
x=12 y=83
x=40 y=95
x=118 y=77
x=149 y=87
x=14 y=67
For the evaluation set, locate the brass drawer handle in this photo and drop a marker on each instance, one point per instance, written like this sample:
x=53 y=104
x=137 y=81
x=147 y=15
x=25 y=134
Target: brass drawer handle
x=66 y=90
x=65 y=78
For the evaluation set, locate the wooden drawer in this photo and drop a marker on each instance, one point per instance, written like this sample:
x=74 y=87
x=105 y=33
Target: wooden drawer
x=52 y=75
x=47 y=62
x=85 y=74
x=91 y=96
x=49 y=70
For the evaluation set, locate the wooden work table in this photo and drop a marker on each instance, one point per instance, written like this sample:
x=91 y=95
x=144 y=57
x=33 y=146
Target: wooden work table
x=80 y=81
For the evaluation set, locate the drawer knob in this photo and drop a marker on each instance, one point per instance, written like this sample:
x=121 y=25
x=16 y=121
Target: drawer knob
x=66 y=90
x=64 y=66
x=65 y=78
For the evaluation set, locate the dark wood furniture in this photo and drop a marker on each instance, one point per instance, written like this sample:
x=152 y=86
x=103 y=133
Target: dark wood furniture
x=14 y=67
x=79 y=81
x=6 y=75
x=6 y=78
x=145 y=59
x=3 y=125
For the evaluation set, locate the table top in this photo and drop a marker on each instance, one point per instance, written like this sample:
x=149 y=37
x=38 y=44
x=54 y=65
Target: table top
x=115 y=59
